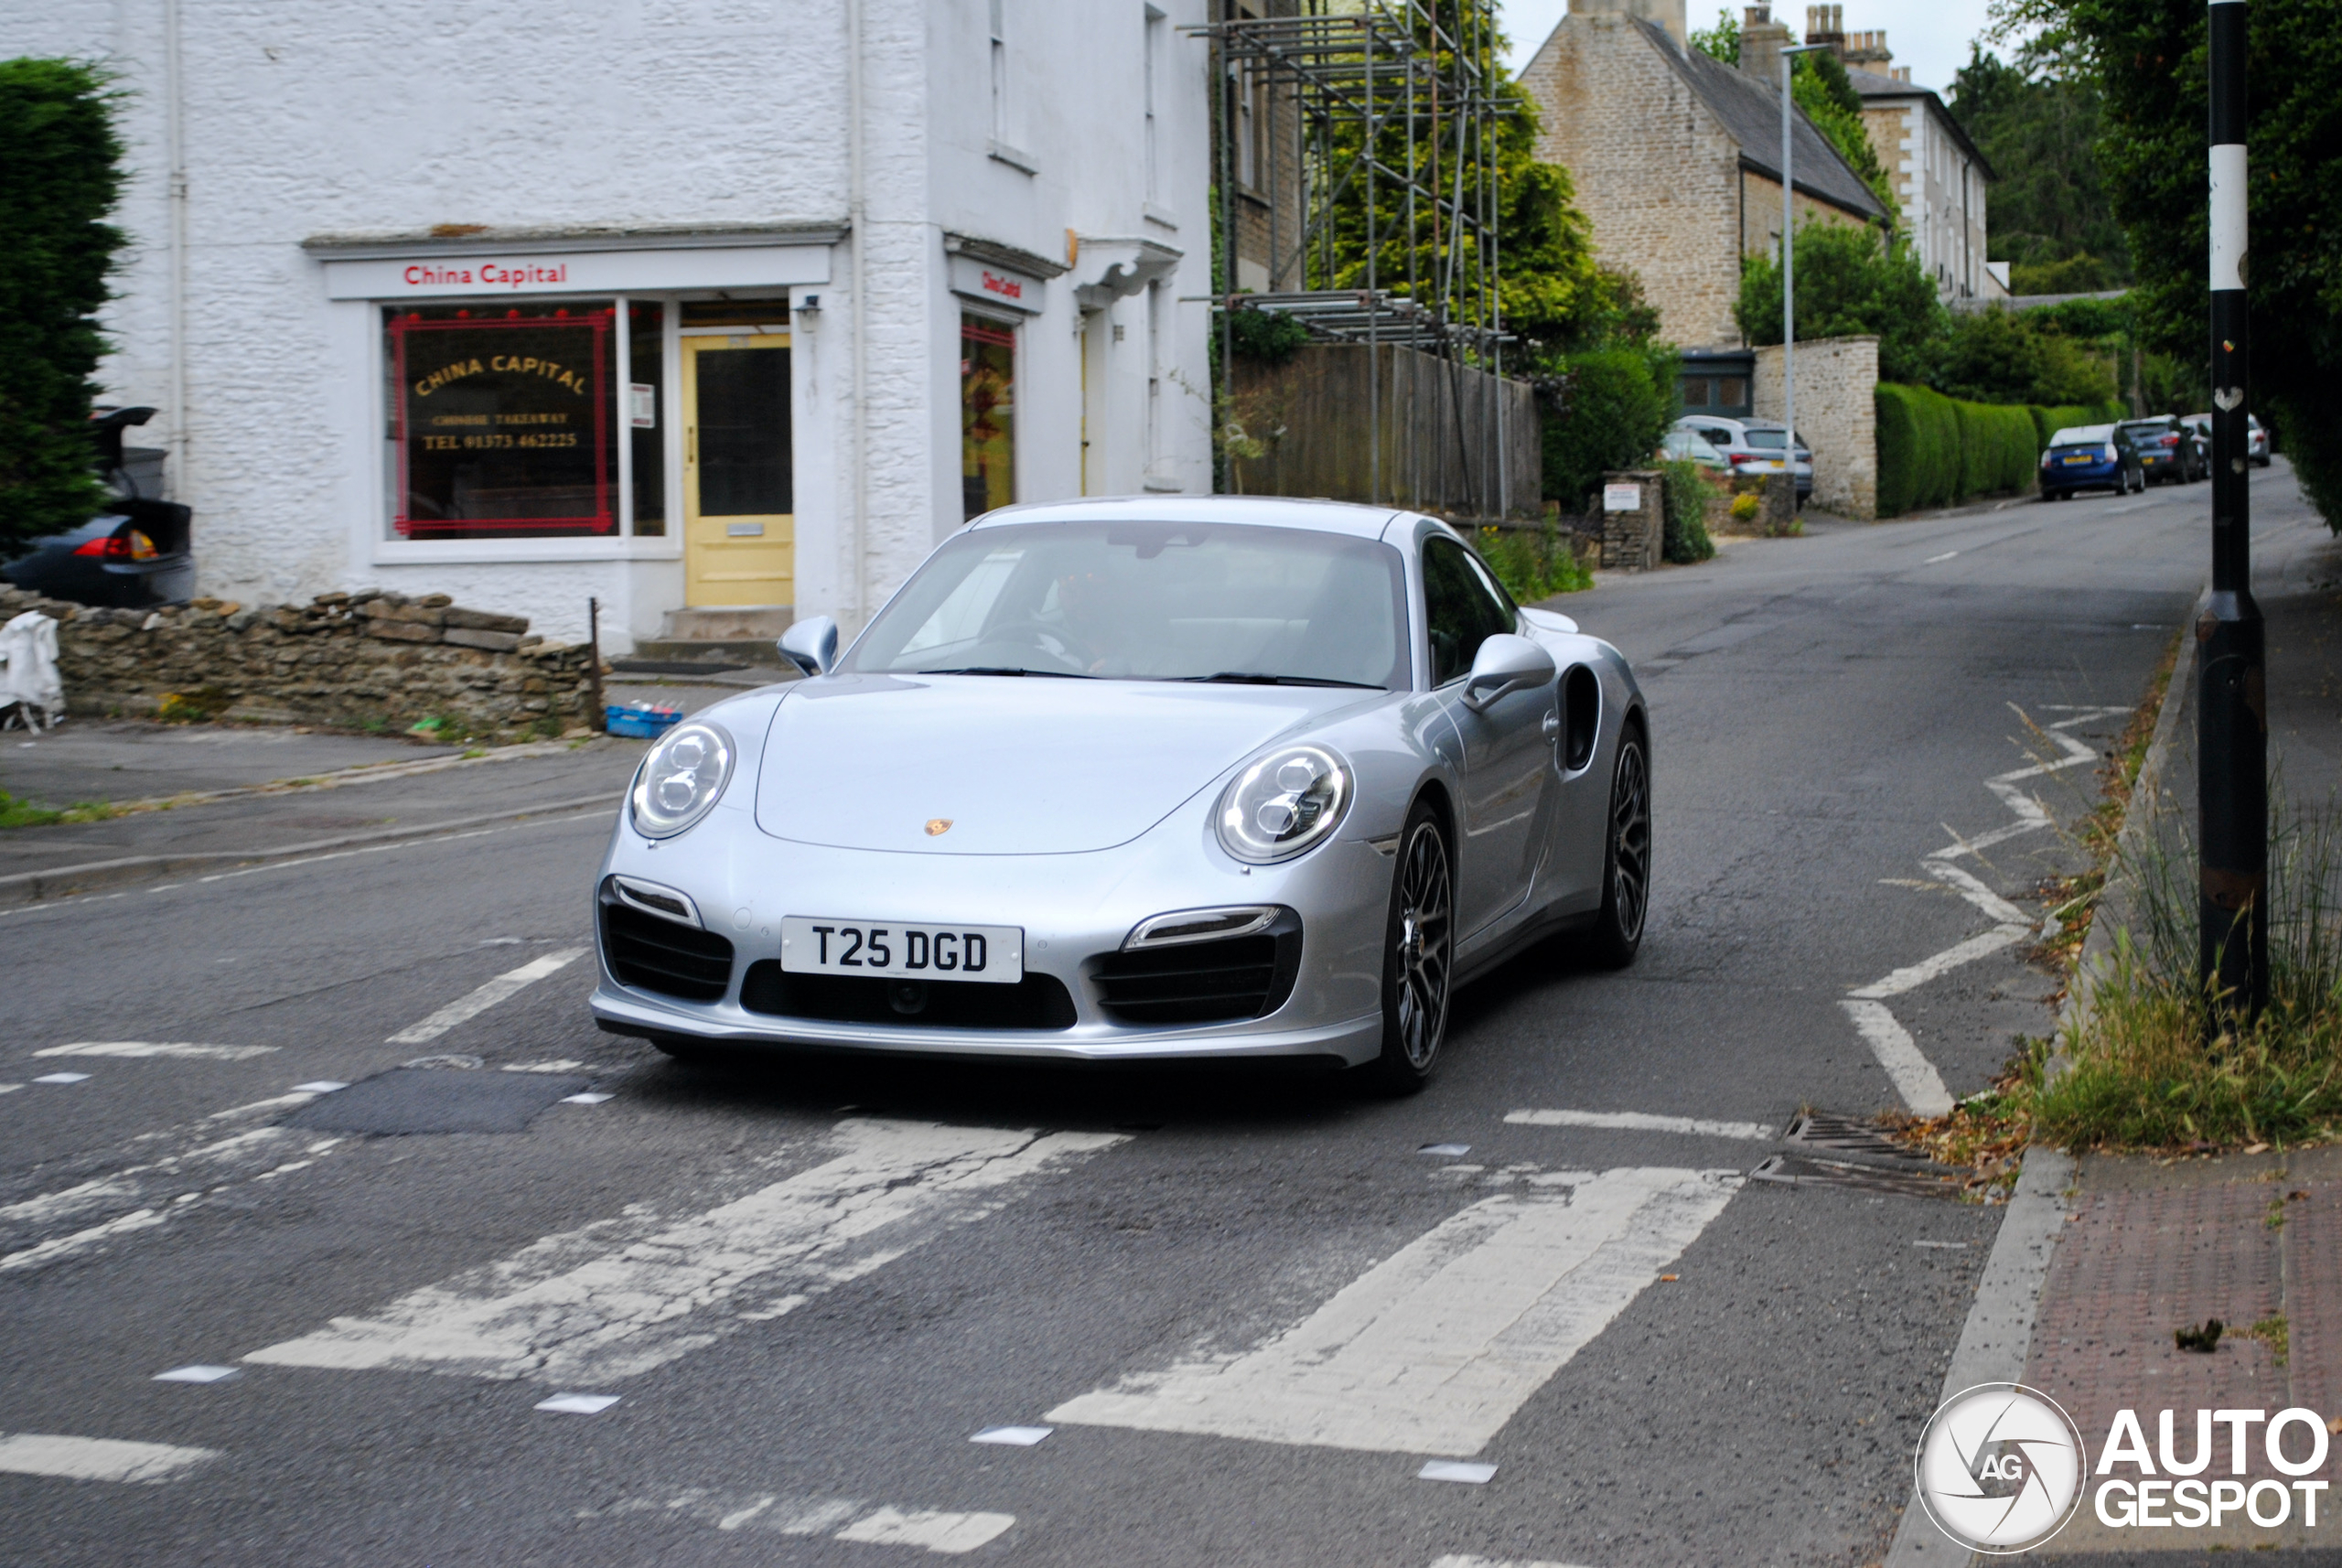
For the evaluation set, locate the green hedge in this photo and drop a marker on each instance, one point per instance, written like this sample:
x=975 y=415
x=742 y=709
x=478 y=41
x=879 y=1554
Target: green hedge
x=1998 y=448
x=1919 y=449
x=1936 y=451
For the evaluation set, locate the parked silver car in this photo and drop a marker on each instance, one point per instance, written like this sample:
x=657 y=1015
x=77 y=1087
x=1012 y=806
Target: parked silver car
x=1753 y=447
x=2256 y=440
x=1139 y=777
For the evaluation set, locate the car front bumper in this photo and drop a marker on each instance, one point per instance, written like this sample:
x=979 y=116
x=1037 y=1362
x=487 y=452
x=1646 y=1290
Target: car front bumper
x=1075 y=910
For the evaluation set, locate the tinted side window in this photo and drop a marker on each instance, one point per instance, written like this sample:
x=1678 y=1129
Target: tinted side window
x=1460 y=610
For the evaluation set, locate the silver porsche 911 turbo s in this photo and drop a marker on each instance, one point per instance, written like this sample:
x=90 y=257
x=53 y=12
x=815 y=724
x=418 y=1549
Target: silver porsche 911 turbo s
x=1138 y=779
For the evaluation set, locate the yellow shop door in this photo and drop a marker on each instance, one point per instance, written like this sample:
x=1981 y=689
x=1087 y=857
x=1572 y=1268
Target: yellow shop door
x=740 y=503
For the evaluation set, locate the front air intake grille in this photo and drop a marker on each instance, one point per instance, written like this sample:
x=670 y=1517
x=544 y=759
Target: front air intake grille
x=1036 y=1002
x=665 y=956
x=1202 y=983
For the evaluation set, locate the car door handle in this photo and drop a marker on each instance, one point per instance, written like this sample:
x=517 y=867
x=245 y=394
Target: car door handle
x=1552 y=725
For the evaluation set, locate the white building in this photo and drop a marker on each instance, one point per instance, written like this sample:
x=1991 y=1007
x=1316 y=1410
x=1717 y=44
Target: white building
x=705 y=302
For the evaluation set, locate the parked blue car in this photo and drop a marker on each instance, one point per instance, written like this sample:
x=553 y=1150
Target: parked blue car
x=2090 y=457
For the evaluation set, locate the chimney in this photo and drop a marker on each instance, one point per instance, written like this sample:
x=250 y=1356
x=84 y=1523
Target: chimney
x=1667 y=13
x=1827 y=25
x=1761 y=42
x=1868 y=51
x=1902 y=73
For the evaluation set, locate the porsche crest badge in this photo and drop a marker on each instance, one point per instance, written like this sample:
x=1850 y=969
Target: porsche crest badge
x=937 y=826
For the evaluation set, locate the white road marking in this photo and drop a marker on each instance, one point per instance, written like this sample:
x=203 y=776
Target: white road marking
x=1915 y=1076
x=1014 y=1436
x=196 y=1375
x=584 y=1306
x=505 y=985
x=842 y=1519
x=320 y=1086
x=1638 y=1122
x=63 y=1077
x=1910 y=977
x=585 y=1099
x=578 y=1404
x=1433 y=1349
x=1458 y=1559
x=952 y=1533
x=157 y=1048
x=564 y=1066
x=1463 y=1470
x=1969 y=887
x=50 y=1252
x=1945 y=556
x=1959 y=1246
x=10 y=1088
x=96 y=1458
x=1447 y=1151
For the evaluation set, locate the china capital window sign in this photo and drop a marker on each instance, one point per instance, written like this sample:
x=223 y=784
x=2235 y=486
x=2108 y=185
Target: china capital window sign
x=502 y=420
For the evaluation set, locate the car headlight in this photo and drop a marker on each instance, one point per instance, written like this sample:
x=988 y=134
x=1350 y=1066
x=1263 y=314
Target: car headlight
x=1283 y=803
x=681 y=779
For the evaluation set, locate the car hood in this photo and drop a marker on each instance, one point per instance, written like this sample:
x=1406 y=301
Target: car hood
x=1016 y=765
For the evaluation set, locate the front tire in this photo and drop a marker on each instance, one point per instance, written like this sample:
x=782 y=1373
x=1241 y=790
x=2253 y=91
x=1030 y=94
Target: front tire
x=1626 y=861
x=1418 y=957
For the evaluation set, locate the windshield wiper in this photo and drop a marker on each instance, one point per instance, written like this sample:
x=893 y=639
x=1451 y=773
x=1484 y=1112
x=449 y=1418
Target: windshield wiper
x=1006 y=670
x=1258 y=678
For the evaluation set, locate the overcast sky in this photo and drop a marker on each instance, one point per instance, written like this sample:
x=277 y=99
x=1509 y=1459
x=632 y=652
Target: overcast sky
x=1930 y=36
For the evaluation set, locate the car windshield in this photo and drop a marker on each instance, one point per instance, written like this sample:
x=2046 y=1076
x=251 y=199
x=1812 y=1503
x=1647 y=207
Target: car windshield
x=2148 y=428
x=1764 y=440
x=2083 y=436
x=1150 y=601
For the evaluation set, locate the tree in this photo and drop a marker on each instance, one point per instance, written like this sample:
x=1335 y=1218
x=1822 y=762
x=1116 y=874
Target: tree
x=2002 y=356
x=2051 y=215
x=1616 y=404
x=1820 y=86
x=62 y=174
x=1849 y=280
x=2148 y=60
x=1721 y=41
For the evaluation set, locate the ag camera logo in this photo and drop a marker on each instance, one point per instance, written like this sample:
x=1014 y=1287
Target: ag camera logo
x=2000 y=1469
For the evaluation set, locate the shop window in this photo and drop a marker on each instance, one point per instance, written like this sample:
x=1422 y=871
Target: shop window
x=1732 y=391
x=646 y=403
x=502 y=420
x=987 y=414
x=1696 y=392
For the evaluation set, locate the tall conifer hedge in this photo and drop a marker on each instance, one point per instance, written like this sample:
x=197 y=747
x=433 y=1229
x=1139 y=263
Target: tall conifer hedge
x=61 y=172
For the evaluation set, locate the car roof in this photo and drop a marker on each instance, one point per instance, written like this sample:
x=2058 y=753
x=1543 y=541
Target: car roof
x=1268 y=512
x=2073 y=434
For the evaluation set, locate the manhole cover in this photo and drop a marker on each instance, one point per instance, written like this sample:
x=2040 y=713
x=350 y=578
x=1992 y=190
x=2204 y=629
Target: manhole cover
x=436 y=1100
x=1845 y=1135
x=1804 y=1170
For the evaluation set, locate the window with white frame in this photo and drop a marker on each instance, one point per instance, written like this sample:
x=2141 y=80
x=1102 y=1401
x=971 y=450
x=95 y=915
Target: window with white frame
x=1150 y=66
x=998 y=52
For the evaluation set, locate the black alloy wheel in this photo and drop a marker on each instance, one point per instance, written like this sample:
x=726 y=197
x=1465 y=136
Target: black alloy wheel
x=1418 y=956
x=1626 y=875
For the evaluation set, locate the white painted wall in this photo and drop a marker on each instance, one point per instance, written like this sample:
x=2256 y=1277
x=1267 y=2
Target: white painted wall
x=339 y=117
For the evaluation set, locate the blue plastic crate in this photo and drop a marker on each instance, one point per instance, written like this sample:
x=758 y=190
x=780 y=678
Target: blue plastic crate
x=641 y=721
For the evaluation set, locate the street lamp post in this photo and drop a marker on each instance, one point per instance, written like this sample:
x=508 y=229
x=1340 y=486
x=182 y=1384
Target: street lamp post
x=2231 y=716
x=1789 y=271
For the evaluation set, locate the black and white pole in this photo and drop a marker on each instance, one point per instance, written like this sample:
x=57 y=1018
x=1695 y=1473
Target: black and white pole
x=2231 y=720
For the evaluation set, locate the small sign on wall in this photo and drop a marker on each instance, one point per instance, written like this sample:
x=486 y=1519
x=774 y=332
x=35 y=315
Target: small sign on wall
x=1622 y=498
x=642 y=405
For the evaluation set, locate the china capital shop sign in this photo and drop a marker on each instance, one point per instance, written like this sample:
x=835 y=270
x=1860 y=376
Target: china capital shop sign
x=2001 y=1468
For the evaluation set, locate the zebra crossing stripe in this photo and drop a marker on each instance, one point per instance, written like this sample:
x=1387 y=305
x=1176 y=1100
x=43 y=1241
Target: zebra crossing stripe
x=621 y=1297
x=1433 y=1349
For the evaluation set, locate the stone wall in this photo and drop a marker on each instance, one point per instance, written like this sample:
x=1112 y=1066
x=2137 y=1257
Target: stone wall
x=1837 y=413
x=364 y=661
x=1655 y=172
x=1633 y=539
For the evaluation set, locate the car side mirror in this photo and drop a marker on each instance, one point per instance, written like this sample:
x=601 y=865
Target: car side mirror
x=1504 y=664
x=812 y=645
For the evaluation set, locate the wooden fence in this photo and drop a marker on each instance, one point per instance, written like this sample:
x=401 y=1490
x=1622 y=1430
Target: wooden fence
x=1455 y=441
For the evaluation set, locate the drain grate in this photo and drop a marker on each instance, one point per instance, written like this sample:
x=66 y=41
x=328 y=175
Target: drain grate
x=436 y=1100
x=1845 y=1136
x=1805 y=1170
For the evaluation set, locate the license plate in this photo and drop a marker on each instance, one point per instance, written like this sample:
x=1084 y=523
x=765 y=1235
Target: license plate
x=2077 y=459
x=896 y=951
